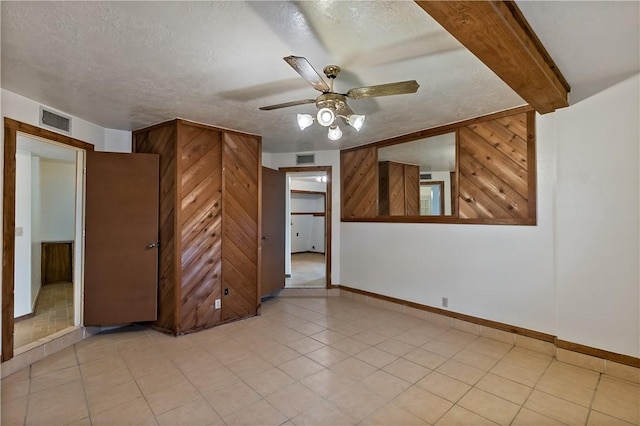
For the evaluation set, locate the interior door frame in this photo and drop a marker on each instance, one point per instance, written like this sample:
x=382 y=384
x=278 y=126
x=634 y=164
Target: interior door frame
x=327 y=215
x=11 y=130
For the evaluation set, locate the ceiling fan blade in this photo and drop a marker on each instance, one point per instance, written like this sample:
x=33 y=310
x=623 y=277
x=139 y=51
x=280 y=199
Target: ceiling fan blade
x=288 y=104
x=399 y=88
x=306 y=71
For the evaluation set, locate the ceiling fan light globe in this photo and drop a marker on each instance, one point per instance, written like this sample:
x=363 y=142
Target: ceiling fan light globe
x=356 y=121
x=325 y=117
x=334 y=133
x=304 y=121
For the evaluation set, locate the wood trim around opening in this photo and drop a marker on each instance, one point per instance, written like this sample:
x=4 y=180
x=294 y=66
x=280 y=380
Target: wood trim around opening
x=327 y=209
x=11 y=130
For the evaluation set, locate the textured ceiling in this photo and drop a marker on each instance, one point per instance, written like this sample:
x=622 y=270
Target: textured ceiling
x=126 y=65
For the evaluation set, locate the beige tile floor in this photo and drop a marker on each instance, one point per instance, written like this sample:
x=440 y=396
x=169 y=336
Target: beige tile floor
x=54 y=312
x=312 y=361
x=307 y=271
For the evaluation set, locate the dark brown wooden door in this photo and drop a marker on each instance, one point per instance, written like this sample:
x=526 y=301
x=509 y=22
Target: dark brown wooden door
x=121 y=223
x=273 y=229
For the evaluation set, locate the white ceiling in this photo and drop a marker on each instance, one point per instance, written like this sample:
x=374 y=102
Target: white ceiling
x=127 y=65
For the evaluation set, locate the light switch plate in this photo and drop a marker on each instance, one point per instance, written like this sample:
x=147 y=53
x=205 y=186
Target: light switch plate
x=217 y=305
x=19 y=231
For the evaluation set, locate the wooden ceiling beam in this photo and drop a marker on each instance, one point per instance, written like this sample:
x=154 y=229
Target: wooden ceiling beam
x=497 y=33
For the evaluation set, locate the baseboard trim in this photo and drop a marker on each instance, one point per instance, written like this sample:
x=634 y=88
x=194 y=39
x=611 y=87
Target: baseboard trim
x=598 y=353
x=545 y=337
x=468 y=318
x=24 y=317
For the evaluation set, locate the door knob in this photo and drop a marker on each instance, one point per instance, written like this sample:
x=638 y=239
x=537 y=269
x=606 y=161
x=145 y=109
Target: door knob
x=264 y=237
x=153 y=245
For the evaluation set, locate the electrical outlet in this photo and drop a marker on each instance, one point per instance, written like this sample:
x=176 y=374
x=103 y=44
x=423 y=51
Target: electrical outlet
x=445 y=302
x=218 y=304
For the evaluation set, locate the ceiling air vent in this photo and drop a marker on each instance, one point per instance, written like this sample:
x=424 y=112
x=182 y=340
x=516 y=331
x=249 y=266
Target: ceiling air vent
x=55 y=121
x=305 y=159
x=425 y=176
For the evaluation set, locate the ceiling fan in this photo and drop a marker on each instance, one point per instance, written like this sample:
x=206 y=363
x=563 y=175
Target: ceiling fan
x=331 y=104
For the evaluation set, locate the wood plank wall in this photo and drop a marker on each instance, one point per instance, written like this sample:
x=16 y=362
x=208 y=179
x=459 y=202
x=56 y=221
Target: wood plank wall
x=201 y=225
x=411 y=175
x=494 y=181
x=359 y=183
x=209 y=223
x=240 y=225
x=493 y=168
x=399 y=189
x=161 y=140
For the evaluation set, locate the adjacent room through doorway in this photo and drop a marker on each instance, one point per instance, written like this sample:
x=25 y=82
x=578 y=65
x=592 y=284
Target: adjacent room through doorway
x=307 y=237
x=45 y=239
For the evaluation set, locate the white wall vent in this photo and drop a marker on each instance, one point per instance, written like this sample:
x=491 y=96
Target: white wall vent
x=305 y=159
x=425 y=176
x=55 y=121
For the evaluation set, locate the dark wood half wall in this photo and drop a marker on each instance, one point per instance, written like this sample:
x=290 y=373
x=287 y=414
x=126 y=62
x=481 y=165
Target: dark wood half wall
x=494 y=181
x=498 y=34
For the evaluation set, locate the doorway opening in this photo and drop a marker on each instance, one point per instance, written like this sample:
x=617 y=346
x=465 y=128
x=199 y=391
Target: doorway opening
x=48 y=188
x=307 y=240
x=43 y=209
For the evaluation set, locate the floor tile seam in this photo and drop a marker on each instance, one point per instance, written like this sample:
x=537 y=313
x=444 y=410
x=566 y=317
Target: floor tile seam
x=453 y=404
x=611 y=415
x=26 y=410
x=142 y=395
x=520 y=406
x=525 y=368
x=474 y=366
x=563 y=399
x=593 y=395
x=263 y=398
x=456 y=404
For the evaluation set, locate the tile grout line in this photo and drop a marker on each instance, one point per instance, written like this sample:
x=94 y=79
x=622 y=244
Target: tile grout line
x=84 y=391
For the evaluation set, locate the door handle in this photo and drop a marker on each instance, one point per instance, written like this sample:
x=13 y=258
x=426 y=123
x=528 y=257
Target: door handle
x=264 y=237
x=153 y=245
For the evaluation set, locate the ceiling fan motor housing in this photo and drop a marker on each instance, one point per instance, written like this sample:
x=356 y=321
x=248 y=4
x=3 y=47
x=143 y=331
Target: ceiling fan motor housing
x=332 y=101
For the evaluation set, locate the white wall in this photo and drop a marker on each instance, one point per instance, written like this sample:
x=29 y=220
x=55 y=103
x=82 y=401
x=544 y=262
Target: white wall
x=58 y=193
x=574 y=275
x=26 y=110
x=597 y=238
x=323 y=158
x=22 y=274
x=117 y=140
